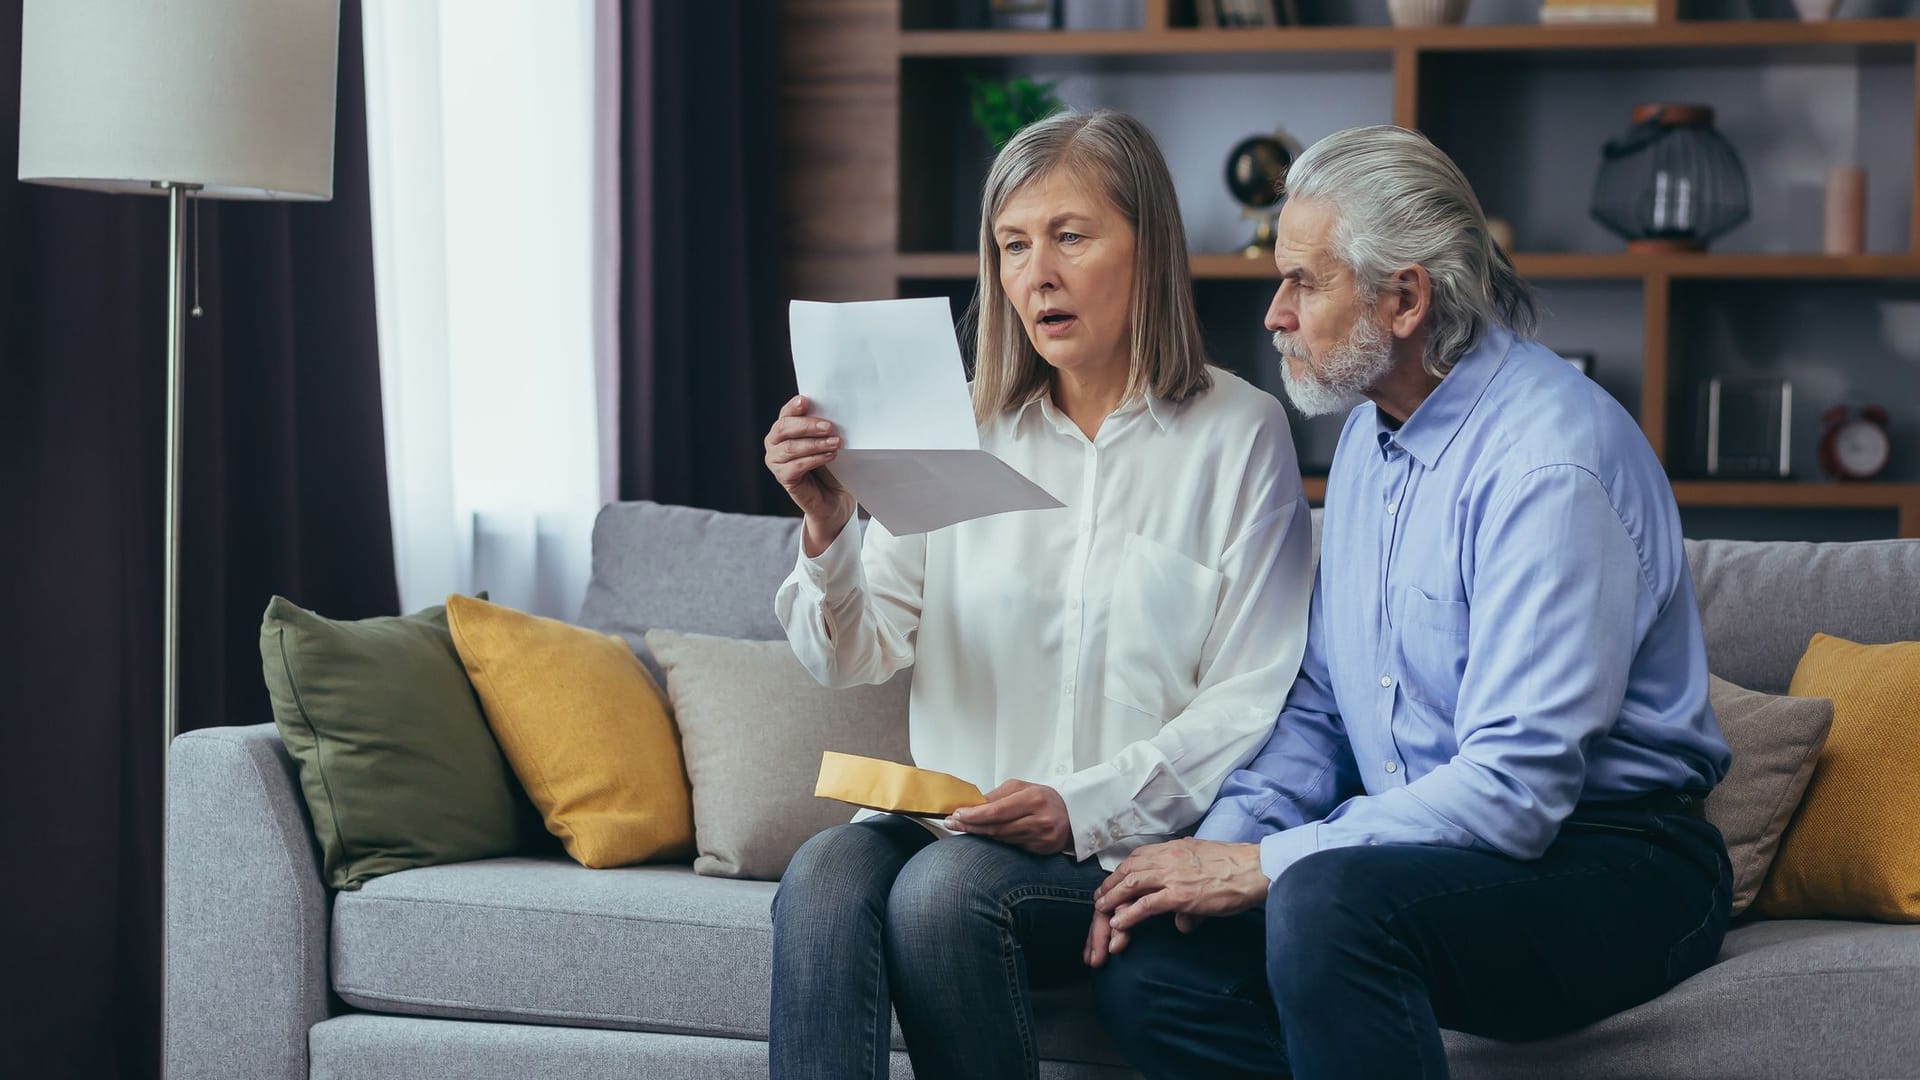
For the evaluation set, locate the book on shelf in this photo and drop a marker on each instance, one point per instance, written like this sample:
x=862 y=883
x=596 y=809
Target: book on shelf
x=1562 y=12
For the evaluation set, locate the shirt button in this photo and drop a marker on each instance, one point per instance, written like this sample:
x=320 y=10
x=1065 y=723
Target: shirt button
x=1386 y=680
x=1392 y=507
x=1392 y=767
x=1059 y=770
x=1068 y=689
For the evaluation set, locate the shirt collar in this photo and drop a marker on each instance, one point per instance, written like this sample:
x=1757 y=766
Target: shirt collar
x=1161 y=410
x=1430 y=430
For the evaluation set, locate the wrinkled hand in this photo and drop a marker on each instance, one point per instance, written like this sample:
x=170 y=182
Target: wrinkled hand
x=1028 y=816
x=798 y=445
x=1192 y=880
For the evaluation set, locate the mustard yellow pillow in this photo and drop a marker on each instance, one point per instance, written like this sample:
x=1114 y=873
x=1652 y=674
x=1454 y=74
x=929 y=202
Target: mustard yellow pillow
x=1850 y=851
x=585 y=729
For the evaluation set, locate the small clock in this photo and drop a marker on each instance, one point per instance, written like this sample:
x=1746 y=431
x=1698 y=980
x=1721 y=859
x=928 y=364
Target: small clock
x=1855 y=445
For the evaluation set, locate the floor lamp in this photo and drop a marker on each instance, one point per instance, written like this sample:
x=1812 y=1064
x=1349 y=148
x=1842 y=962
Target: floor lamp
x=209 y=99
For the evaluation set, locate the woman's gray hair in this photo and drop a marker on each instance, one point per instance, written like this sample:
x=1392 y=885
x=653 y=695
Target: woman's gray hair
x=1399 y=202
x=1115 y=157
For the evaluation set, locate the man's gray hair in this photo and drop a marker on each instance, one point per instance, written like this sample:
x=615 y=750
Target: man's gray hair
x=1397 y=202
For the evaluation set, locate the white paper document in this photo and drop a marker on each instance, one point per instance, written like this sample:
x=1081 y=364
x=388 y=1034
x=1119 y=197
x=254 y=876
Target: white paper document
x=887 y=373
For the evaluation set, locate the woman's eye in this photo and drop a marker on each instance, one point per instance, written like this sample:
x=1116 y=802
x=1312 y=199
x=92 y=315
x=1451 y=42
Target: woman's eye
x=1015 y=247
x=1070 y=237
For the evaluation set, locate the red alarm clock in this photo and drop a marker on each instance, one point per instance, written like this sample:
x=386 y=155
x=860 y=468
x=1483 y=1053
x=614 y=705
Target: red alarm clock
x=1855 y=445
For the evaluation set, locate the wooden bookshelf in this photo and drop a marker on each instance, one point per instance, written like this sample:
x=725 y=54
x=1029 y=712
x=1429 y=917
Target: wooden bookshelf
x=860 y=90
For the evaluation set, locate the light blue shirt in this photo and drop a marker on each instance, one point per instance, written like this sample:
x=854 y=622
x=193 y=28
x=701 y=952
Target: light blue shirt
x=1504 y=625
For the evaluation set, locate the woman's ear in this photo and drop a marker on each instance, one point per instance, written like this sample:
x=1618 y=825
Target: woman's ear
x=1409 y=296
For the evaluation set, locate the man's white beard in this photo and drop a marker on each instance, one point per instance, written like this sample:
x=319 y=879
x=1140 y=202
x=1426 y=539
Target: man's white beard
x=1339 y=382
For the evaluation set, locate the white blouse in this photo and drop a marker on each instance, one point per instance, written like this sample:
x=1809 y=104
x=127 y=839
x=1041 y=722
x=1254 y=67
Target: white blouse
x=1130 y=649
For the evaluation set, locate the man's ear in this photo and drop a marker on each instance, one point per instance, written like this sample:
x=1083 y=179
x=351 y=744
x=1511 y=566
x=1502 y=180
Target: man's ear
x=1407 y=297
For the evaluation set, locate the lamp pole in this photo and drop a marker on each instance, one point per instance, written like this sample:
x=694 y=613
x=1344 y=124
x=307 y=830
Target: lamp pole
x=170 y=650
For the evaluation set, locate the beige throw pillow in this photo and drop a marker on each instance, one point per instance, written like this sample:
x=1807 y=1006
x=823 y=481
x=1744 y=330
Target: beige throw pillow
x=1775 y=741
x=753 y=725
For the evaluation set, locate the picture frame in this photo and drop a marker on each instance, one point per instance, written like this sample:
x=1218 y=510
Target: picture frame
x=1744 y=428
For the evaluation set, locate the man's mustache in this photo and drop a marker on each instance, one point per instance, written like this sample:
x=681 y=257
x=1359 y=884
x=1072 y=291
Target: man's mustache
x=1289 y=348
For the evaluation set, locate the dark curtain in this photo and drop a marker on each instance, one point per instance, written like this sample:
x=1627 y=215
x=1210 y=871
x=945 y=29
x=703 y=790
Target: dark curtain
x=285 y=492
x=704 y=361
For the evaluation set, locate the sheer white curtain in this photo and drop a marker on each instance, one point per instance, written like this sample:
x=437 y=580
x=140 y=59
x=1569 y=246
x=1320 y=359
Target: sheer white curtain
x=492 y=145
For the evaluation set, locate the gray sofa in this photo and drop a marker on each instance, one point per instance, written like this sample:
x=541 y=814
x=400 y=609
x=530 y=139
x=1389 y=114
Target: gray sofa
x=534 y=966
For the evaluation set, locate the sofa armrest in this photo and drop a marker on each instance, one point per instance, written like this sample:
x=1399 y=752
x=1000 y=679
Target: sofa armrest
x=246 y=935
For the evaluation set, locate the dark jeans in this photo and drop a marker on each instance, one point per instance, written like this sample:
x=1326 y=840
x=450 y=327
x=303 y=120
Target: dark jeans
x=1363 y=954
x=952 y=933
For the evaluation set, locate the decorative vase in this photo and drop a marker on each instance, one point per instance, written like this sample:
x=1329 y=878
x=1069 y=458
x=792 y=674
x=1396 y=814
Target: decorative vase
x=1816 y=10
x=1426 y=12
x=1671 y=182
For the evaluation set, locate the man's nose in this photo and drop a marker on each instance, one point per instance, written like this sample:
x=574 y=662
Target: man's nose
x=1281 y=318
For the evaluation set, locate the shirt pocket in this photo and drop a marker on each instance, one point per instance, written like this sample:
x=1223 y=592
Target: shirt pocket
x=1161 y=612
x=1433 y=649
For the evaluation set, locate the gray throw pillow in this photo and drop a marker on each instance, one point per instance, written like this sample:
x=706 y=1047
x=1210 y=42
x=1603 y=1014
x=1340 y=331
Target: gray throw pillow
x=1775 y=741
x=752 y=726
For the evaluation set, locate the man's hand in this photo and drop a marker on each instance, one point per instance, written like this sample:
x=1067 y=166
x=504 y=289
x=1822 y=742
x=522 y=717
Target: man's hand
x=1029 y=816
x=1191 y=880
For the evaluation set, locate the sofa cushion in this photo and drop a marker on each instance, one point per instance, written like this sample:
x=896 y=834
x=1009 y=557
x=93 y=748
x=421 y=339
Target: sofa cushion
x=586 y=730
x=654 y=948
x=1851 y=850
x=1760 y=603
x=753 y=724
x=676 y=568
x=1775 y=743
x=362 y=1047
x=1792 y=998
x=396 y=762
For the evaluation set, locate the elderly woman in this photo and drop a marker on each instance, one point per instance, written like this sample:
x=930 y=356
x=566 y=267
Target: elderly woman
x=1100 y=667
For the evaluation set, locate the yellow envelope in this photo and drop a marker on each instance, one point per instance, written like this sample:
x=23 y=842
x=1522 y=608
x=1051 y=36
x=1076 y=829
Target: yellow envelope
x=889 y=785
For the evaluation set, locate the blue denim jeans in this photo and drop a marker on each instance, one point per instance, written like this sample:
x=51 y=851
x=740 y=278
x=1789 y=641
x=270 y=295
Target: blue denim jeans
x=1361 y=955
x=950 y=933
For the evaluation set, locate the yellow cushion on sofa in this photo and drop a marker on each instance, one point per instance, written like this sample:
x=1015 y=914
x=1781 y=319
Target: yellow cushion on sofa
x=585 y=729
x=1851 y=850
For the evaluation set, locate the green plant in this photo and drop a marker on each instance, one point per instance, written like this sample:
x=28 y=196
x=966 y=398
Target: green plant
x=1001 y=109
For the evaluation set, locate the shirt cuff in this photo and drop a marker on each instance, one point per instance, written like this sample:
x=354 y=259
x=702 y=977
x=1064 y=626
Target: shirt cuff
x=836 y=571
x=1100 y=809
x=1286 y=847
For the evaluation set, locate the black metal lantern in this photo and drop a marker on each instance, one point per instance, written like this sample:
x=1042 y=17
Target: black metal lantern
x=1671 y=182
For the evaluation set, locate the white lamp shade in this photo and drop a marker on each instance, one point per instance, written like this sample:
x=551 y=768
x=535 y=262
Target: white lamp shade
x=236 y=96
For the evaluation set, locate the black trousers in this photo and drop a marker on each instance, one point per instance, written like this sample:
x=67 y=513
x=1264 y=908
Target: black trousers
x=1361 y=955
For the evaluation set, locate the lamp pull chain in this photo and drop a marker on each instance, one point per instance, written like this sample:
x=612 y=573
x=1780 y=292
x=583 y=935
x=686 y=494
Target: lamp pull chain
x=197 y=309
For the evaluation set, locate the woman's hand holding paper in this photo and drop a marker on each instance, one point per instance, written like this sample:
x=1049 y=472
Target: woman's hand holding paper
x=798 y=445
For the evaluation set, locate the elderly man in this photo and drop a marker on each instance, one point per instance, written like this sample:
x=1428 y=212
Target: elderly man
x=1479 y=806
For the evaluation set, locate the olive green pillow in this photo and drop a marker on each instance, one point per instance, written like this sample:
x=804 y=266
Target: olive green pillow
x=396 y=761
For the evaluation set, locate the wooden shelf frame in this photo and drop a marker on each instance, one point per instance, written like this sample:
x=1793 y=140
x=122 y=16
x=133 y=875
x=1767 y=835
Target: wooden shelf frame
x=1209 y=266
x=1902 y=499
x=1714 y=34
